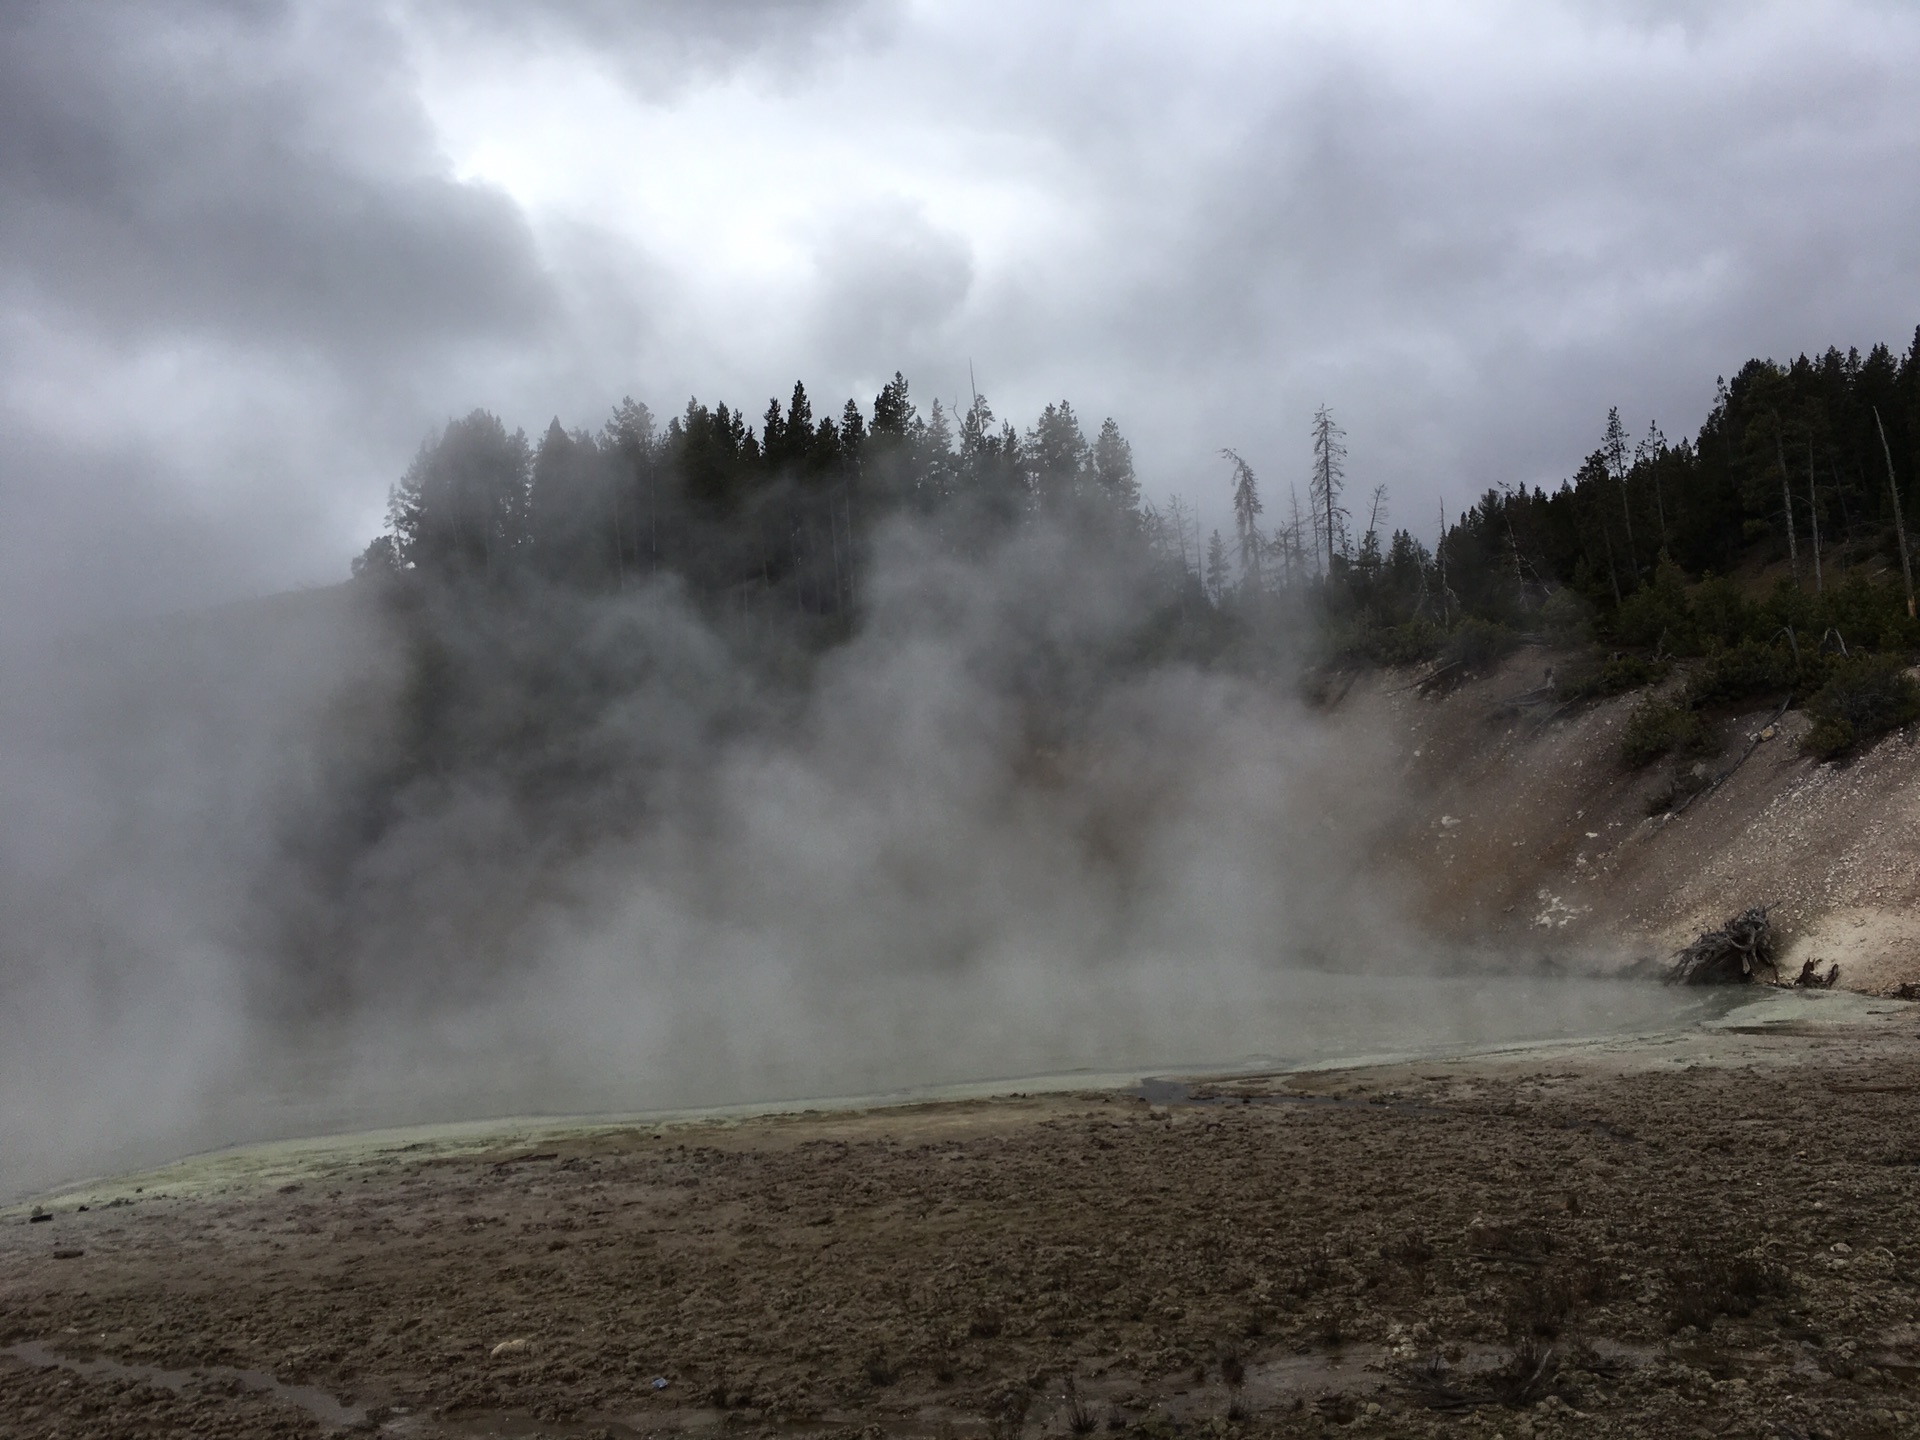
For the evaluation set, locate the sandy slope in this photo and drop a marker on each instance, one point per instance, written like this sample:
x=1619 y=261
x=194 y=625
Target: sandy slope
x=1522 y=822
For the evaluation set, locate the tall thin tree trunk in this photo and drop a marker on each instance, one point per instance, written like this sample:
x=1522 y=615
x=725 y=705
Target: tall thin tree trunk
x=1849 y=523
x=1613 y=576
x=833 y=536
x=1786 y=501
x=1813 y=515
x=1899 y=520
x=1626 y=511
x=1326 y=481
x=619 y=547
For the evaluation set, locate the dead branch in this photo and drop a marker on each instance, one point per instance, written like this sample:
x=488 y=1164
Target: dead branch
x=1730 y=955
x=1810 y=977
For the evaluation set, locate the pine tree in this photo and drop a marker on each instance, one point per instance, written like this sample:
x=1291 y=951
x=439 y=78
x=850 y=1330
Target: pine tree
x=1183 y=523
x=800 y=434
x=1370 y=558
x=1057 y=456
x=1613 y=447
x=1113 y=474
x=853 y=431
x=1647 y=456
x=1246 y=521
x=461 y=508
x=1218 y=576
x=936 y=478
x=628 y=436
x=893 y=408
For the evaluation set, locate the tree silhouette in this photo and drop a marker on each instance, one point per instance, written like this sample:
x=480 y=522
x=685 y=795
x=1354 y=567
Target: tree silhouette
x=1323 y=495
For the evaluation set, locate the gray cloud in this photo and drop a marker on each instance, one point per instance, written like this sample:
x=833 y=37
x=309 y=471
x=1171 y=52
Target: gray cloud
x=663 y=47
x=889 y=282
x=232 y=267
x=260 y=176
x=224 y=226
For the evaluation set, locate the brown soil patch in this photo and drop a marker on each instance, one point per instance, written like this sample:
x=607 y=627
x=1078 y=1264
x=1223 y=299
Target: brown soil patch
x=1706 y=1233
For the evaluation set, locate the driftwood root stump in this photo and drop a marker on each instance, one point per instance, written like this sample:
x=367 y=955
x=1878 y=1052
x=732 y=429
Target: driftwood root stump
x=1731 y=955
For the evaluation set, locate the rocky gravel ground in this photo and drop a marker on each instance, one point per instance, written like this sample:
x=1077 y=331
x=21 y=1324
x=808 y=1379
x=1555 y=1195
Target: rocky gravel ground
x=1710 y=1235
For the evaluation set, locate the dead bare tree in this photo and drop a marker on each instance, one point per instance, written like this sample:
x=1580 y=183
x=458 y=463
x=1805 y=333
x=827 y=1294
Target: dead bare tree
x=1329 y=470
x=1647 y=453
x=1294 y=537
x=1813 y=515
x=1899 y=521
x=1246 y=522
x=1181 y=516
x=1786 y=499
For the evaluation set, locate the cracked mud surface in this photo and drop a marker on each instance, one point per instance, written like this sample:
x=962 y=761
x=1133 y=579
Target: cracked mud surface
x=1714 y=1234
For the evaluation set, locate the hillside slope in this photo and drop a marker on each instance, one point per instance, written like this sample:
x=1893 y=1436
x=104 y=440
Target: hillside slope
x=1523 y=826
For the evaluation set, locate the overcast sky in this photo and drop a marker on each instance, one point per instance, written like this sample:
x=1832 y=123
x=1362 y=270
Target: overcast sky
x=251 y=253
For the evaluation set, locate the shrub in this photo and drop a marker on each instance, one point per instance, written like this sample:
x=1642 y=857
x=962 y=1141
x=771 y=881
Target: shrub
x=1565 y=618
x=1751 y=668
x=1615 y=675
x=1863 y=699
x=1419 y=639
x=1721 y=614
x=1660 y=727
x=1657 y=613
x=1478 y=643
x=1870 y=615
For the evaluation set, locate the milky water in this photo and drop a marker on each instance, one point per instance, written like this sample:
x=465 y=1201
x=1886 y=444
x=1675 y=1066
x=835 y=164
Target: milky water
x=1102 y=1035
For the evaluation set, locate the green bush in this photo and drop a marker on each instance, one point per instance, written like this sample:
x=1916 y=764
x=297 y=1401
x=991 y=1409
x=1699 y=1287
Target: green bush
x=1475 y=644
x=1863 y=699
x=1721 y=614
x=1615 y=675
x=1363 y=641
x=1751 y=668
x=1660 y=727
x=1790 y=606
x=1657 y=614
x=1869 y=616
x=1419 y=639
x=1566 y=619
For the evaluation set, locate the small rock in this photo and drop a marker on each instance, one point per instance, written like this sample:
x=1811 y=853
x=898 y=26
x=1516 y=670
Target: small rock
x=509 y=1347
x=1840 y=1247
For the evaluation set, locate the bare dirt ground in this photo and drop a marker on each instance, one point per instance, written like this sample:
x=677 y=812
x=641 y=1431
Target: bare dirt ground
x=1715 y=1232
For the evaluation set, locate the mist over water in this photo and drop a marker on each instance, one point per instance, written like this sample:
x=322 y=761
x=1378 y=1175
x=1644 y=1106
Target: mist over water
x=660 y=859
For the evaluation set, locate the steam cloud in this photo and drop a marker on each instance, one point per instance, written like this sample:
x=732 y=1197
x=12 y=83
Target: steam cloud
x=976 y=840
